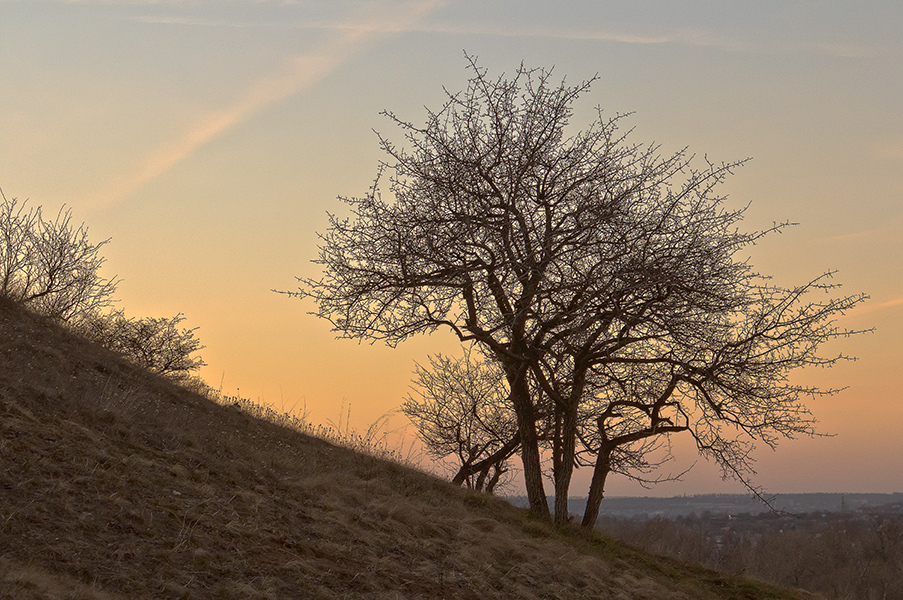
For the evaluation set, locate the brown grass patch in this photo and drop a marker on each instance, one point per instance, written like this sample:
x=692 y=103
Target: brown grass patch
x=116 y=484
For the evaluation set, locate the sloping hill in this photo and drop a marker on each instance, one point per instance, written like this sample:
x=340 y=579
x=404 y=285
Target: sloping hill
x=117 y=484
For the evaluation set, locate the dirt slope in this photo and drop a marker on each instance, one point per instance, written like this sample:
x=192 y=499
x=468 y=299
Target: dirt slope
x=116 y=484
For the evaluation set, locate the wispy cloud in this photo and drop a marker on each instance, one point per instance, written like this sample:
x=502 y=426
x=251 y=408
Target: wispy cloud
x=686 y=37
x=891 y=227
x=127 y=2
x=890 y=150
x=694 y=38
x=551 y=33
x=888 y=304
x=296 y=74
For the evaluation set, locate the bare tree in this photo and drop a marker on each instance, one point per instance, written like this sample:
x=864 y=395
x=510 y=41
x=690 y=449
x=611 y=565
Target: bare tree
x=156 y=344
x=50 y=266
x=460 y=408
x=608 y=277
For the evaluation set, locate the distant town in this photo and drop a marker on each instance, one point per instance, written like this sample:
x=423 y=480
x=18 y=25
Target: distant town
x=837 y=545
x=643 y=508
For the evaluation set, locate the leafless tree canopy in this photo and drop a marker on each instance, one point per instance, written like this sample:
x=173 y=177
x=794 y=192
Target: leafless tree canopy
x=599 y=274
x=50 y=266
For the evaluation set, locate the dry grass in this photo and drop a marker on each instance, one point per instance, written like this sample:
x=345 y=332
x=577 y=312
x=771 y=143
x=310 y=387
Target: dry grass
x=117 y=484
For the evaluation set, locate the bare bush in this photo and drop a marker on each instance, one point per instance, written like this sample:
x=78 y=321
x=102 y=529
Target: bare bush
x=50 y=266
x=156 y=344
x=460 y=409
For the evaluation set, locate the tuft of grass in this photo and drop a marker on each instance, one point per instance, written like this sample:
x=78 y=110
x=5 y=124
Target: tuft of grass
x=373 y=442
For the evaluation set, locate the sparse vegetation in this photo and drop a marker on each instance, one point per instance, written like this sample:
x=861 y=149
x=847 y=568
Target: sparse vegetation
x=116 y=483
x=373 y=442
x=52 y=268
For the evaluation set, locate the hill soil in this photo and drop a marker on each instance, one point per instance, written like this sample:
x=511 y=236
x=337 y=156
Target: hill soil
x=117 y=484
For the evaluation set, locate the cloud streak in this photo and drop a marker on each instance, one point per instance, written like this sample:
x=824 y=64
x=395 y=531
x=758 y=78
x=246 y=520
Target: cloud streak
x=890 y=228
x=685 y=37
x=295 y=75
x=870 y=308
x=345 y=40
x=890 y=150
x=690 y=38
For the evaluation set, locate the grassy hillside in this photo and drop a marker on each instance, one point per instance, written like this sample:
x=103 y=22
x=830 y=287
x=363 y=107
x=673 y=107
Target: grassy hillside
x=117 y=484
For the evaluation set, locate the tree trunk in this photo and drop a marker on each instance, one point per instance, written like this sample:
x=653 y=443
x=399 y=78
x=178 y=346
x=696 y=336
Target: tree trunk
x=481 y=479
x=565 y=467
x=597 y=487
x=526 y=426
x=536 y=494
x=493 y=481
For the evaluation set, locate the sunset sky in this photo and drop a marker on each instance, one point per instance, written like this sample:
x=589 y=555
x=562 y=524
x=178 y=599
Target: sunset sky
x=208 y=139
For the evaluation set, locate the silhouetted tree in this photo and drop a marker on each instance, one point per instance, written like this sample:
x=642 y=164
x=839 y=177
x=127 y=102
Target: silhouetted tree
x=50 y=266
x=460 y=408
x=604 y=275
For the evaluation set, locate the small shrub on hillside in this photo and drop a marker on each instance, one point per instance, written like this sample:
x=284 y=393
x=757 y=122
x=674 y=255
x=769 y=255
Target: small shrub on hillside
x=156 y=344
x=460 y=411
x=50 y=266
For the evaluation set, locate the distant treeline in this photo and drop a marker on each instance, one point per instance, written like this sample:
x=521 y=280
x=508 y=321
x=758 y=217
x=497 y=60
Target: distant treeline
x=736 y=504
x=733 y=504
x=850 y=555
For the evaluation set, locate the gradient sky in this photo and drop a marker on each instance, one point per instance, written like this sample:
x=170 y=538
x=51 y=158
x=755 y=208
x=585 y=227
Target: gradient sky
x=208 y=139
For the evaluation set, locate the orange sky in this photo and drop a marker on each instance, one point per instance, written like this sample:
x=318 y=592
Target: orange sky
x=208 y=140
